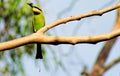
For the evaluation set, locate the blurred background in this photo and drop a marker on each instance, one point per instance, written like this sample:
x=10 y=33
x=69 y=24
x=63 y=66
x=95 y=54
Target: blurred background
x=59 y=60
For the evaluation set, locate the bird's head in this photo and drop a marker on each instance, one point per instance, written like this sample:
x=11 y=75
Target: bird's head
x=35 y=9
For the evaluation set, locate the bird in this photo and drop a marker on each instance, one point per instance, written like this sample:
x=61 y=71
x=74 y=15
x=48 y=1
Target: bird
x=38 y=22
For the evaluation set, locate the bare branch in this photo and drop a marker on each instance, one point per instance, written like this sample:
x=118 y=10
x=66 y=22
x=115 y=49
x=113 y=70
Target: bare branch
x=78 y=17
x=55 y=40
x=16 y=42
x=103 y=55
x=117 y=60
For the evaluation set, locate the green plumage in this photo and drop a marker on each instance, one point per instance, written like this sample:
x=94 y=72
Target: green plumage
x=38 y=23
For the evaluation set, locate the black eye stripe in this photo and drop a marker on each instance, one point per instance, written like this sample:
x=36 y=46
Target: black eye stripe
x=36 y=13
x=37 y=8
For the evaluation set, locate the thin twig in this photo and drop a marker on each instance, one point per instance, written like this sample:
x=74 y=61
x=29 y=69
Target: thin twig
x=111 y=64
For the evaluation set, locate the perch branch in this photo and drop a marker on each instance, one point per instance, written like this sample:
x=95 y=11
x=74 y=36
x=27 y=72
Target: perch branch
x=55 y=40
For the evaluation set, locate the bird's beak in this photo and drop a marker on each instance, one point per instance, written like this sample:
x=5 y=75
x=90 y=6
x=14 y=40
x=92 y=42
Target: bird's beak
x=30 y=4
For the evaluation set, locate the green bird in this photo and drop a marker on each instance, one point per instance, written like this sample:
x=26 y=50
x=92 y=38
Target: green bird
x=38 y=23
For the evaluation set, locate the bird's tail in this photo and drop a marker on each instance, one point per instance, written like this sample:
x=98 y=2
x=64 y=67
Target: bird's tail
x=39 y=51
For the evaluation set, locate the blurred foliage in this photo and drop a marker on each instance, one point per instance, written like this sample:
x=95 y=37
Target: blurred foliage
x=15 y=21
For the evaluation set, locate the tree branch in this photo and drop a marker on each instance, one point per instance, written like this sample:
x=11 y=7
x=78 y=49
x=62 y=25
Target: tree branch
x=55 y=40
x=103 y=55
x=99 y=68
x=80 y=16
x=16 y=42
x=117 y=60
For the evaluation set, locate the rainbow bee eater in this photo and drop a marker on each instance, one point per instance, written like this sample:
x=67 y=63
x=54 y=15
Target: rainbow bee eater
x=38 y=23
